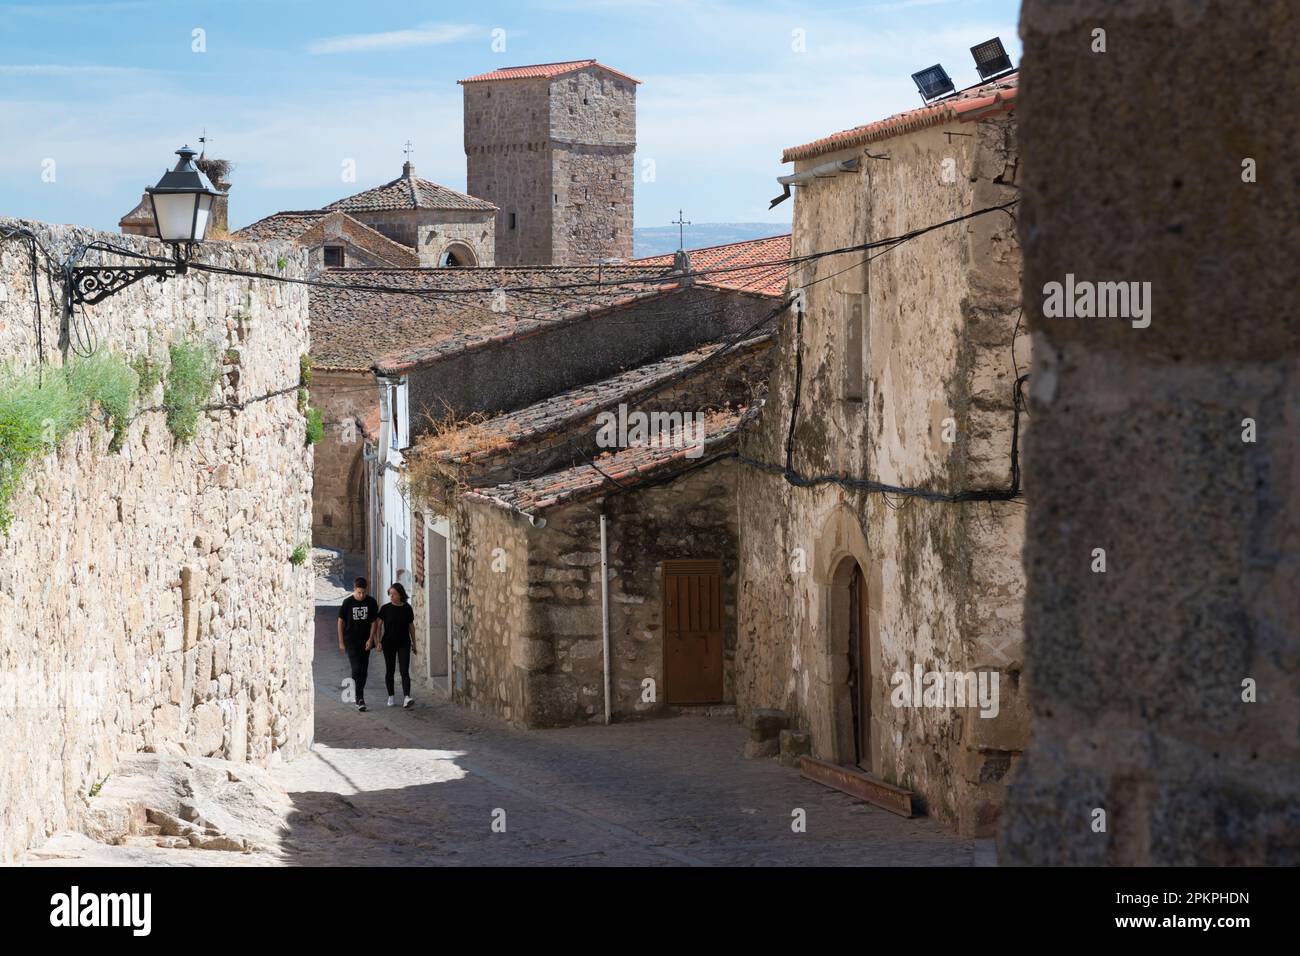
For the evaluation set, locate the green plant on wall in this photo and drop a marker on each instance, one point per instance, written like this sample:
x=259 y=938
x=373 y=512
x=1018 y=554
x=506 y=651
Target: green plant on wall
x=299 y=556
x=106 y=380
x=315 y=423
x=149 y=374
x=39 y=408
x=191 y=374
x=315 y=426
x=304 y=382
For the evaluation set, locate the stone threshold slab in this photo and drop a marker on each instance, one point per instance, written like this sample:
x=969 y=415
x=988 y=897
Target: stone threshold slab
x=858 y=783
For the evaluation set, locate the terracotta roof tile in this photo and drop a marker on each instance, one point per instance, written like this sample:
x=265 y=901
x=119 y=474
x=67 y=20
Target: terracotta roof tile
x=628 y=466
x=314 y=227
x=540 y=70
x=353 y=328
x=408 y=191
x=766 y=279
x=286 y=225
x=573 y=406
x=996 y=96
x=341 y=225
x=141 y=215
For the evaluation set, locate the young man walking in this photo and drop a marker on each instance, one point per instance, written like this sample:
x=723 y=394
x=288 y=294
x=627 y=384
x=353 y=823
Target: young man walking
x=358 y=627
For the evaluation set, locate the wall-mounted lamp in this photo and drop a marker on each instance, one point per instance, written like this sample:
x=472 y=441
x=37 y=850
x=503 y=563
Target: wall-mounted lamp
x=182 y=208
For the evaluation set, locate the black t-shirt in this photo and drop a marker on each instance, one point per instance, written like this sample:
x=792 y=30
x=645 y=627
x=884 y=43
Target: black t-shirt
x=397 y=619
x=357 y=616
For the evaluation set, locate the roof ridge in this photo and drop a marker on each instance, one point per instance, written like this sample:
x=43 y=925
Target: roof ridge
x=982 y=98
x=533 y=71
x=720 y=245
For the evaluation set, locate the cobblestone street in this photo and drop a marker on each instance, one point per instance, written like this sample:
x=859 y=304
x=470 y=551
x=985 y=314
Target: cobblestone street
x=420 y=787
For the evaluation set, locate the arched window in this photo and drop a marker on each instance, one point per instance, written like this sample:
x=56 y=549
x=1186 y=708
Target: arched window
x=457 y=256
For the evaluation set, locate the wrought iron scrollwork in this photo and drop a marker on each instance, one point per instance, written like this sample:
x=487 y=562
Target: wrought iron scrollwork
x=91 y=284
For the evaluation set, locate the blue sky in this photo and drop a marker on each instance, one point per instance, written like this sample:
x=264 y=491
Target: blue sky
x=290 y=89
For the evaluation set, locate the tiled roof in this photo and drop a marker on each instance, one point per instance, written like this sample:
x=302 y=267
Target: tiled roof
x=353 y=328
x=994 y=97
x=287 y=225
x=408 y=191
x=539 y=70
x=629 y=467
x=341 y=225
x=764 y=280
x=141 y=215
x=314 y=227
x=575 y=405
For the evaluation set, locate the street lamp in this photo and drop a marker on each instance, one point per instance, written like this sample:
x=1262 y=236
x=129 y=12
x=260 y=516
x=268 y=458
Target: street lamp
x=182 y=204
x=182 y=209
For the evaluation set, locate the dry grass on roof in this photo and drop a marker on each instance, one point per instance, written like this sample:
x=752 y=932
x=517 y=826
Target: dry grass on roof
x=433 y=479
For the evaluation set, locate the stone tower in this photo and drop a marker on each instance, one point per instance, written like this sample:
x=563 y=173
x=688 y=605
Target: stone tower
x=552 y=147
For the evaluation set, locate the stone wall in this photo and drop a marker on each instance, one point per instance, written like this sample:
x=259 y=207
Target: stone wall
x=527 y=644
x=489 y=611
x=146 y=595
x=475 y=231
x=508 y=163
x=346 y=400
x=592 y=198
x=1138 y=674
x=518 y=372
x=937 y=317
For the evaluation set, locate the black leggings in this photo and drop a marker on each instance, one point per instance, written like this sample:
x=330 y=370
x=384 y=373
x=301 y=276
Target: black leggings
x=393 y=654
x=359 y=658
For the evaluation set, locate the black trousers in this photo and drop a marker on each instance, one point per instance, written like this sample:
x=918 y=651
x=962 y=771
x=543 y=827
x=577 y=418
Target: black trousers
x=393 y=654
x=359 y=658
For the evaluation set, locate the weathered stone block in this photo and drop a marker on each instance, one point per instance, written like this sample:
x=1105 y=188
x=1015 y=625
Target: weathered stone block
x=793 y=744
x=766 y=723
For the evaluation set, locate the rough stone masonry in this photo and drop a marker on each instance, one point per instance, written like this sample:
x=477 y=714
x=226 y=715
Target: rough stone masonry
x=147 y=599
x=1138 y=674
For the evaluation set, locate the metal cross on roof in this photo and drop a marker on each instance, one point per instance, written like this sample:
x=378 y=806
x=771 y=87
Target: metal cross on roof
x=204 y=139
x=681 y=225
x=408 y=149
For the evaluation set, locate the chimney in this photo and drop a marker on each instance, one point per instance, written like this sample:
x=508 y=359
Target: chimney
x=408 y=170
x=218 y=173
x=682 y=266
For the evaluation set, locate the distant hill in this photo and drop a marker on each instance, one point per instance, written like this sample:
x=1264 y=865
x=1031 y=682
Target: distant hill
x=656 y=240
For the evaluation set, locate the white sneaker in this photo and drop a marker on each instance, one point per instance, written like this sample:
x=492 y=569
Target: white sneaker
x=411 y=700
x=391 y=702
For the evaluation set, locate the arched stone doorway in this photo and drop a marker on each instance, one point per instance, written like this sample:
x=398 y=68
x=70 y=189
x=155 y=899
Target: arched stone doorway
x=852 y=644
x=851 y=674
x=357 y=498
x=457 y=256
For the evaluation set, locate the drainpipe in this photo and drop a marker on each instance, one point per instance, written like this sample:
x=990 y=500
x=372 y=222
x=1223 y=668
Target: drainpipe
x=604 y=607
x=824 y=171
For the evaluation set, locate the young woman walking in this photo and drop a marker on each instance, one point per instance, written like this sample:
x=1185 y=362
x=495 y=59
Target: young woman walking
x=396 y=618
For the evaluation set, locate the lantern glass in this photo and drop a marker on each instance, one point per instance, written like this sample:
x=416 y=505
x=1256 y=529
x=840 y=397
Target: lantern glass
x=175 y=215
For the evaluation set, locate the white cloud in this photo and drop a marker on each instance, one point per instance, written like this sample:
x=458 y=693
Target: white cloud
x=425 y=35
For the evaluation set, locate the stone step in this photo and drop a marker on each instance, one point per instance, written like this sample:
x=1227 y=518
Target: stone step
x=704 y=710
x=858 y=783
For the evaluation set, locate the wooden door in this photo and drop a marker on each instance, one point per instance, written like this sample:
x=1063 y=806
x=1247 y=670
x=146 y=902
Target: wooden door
x=692 y=632
x=860 y=669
